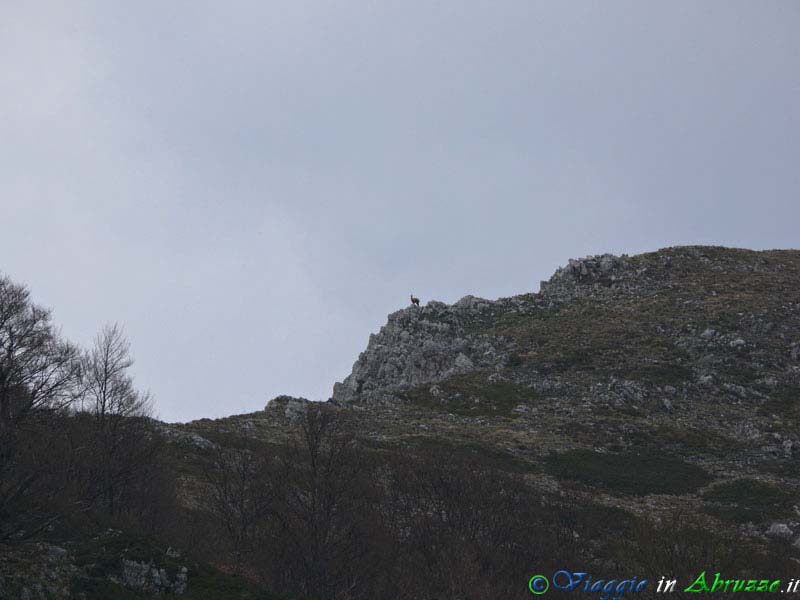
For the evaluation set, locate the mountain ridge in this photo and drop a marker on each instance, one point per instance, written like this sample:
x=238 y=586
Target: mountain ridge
x=689 y=350
x=433 y=342
x=638 y=412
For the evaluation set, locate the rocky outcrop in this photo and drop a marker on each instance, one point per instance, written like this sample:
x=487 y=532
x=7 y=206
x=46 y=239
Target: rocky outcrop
x=148 y=578
x=600 y=276
x=422 y=345
x=591 y=268
x=429 y=344
x=176 y=435
x=288 y=407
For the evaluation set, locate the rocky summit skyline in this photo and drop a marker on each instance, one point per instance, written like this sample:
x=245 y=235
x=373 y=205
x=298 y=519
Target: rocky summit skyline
x=639 y=414
x=288 y=172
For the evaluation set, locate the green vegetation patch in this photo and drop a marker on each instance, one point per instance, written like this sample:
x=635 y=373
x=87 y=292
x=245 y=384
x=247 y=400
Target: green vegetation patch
x=596 y=521
x=784 y=402
x=782 y=467
x=659 y=373
x=740 y=373
x=688 y=439
x=747 y=500
x=628 y=473
x=472 y=395
x=479 y=455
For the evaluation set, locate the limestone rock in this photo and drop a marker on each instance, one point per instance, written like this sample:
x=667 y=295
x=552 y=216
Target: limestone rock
x=420 y=346
x=147 y=577
x=780 y=531
x=288 y=406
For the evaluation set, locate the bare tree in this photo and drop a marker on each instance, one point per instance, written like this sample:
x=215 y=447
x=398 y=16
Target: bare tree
x=37 y=368
x=38 y=372
x=108 y=390
x=324 y=509
x=118 y=410
x=55 y=461
x=239 y=496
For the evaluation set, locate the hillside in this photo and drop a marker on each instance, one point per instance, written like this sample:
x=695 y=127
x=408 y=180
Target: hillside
x=661 y=384
x=638 y=413
x=688 y=352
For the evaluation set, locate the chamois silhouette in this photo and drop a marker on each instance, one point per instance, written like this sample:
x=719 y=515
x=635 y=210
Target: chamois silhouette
x=414 y=300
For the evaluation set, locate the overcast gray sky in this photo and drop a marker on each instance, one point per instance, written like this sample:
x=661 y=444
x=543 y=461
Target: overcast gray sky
x=250 y=187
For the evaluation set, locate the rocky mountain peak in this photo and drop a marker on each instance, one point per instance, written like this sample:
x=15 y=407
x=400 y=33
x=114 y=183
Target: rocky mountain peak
x=592 y=268
x=423 y=344
x=434 y=342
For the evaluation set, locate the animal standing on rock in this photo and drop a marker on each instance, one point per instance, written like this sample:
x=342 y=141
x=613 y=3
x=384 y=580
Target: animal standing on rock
x=414 y=300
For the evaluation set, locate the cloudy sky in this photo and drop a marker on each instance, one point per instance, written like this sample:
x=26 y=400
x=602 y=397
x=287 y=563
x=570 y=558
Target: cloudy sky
x=250 y=187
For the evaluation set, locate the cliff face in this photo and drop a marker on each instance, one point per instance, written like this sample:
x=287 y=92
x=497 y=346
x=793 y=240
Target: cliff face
x=424 y=345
